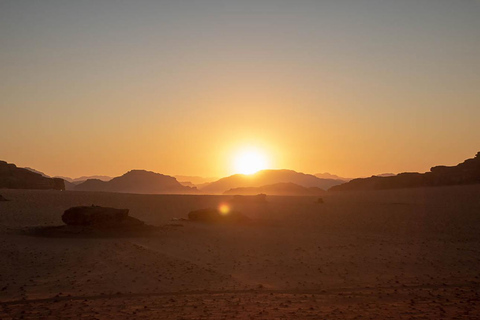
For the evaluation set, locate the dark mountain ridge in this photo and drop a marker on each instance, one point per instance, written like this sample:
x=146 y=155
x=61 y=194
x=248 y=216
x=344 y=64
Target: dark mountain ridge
x=467 y=172
x=12 y=177
x=137 y=181
x=268 y=177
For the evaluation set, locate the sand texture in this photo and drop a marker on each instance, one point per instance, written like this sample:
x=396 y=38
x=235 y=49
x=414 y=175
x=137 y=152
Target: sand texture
x=398 y=254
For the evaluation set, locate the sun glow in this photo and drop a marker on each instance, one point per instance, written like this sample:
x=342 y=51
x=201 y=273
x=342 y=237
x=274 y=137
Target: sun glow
x=250 y=161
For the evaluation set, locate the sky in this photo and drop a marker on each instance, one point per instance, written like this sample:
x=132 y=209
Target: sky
x=354 y=88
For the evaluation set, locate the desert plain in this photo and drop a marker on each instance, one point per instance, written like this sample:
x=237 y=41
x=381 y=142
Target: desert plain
x=390 y=254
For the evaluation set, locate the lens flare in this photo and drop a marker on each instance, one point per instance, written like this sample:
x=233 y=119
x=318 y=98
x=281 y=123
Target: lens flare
x=224 y=208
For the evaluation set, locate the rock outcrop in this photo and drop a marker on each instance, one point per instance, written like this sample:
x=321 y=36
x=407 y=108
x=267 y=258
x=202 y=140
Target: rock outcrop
x=12 y=177
x=213 y=215
x=467 y=172
x=137 y=181
x=100 y=217
x=269 y=177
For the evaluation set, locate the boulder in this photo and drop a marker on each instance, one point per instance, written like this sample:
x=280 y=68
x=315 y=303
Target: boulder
x=213 y=215
x=101 y=217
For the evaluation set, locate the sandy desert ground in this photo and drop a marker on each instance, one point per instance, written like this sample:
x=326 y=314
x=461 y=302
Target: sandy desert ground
x=400 y=254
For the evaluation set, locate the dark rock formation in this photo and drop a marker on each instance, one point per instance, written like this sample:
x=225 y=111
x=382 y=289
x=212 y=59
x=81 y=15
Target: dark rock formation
x=327 y=175
x=213 y=215
x=187 y=184
x=2 y=198
x=12 y=177
x=137 y=181
x=85 y=178
x=99 y=217
x=278 y=189
x=269 y=177
x=195 y=180
x=69 y=185
x=39 y=172
x=467 y=172
x=92 y=185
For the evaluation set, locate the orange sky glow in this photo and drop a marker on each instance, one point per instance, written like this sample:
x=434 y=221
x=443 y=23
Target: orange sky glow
x=181 y=88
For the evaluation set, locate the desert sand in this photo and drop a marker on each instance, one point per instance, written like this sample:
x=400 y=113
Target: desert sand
x=393 y=254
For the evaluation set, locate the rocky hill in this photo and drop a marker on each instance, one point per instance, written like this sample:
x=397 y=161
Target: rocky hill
x=137 y=181
x=268 y=177
x=467 y=172
x=12 y=177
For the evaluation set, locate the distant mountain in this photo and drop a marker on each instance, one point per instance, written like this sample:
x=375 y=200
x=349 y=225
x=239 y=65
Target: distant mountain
x=69 y=182
x=68 y=185
x=36 y=171
x=67 y=179
x=327 y=175
x=194 y=180
x=85 y=178
x=202 y=185
x=268 y=177
x=137 y=181
x=12 y=177
x=278 y=189
x=467 y=172
x=385 y=175
x=187 y=184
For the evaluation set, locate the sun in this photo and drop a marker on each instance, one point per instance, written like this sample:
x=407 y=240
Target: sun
x=250 y=161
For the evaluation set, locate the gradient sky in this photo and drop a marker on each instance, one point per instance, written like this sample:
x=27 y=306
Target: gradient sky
x=354 y=88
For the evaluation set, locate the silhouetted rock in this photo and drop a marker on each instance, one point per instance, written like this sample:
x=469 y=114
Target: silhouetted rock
x=85 y=178
x=12 y=177
x=39 y=172
x=2 y=198
x=467 y=172
x=195 y=180
x=137 y=181
x=69 y=185
x=278 y=189
x=269 y=177
x=93 y=185
x=187 y=184
x=213 y=215
x=259 y=198
x=327 y=175
x=100 y=217
x=388 y=174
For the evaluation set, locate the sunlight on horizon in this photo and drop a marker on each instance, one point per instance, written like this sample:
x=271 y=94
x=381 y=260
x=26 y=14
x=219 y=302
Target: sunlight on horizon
x=249 y=161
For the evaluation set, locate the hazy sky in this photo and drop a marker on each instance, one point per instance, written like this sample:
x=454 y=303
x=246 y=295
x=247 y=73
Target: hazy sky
x=349 y=87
